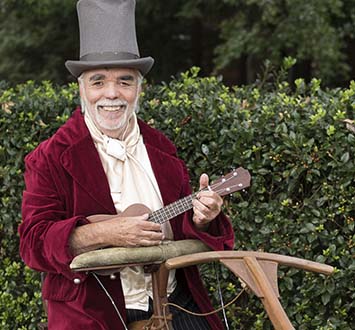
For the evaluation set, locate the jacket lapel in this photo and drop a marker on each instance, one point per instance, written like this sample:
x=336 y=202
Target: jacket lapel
x=82 y=162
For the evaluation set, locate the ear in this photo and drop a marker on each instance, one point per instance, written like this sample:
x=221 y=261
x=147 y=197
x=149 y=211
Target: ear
x=82 y=93
x=140 y=79
x=81 y=87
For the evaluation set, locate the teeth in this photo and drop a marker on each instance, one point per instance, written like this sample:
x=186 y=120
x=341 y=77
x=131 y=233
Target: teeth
x=112 y=108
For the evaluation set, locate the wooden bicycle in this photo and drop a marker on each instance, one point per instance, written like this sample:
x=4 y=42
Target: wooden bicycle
x=258 y=270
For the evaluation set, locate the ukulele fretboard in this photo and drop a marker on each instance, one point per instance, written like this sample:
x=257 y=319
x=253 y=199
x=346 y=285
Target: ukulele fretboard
x=172 y=210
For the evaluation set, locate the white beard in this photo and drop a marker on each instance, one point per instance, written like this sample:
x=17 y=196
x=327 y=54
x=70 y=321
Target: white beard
x=110 y=115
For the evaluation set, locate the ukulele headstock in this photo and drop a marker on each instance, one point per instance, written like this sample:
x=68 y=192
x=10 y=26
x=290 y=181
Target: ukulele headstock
x=236 y=180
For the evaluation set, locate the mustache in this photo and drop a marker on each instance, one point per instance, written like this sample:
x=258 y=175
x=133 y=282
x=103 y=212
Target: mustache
x=107 y=102
x=111 y=103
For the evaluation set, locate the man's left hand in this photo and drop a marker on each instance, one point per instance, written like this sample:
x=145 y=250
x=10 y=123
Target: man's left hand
x=206 y=206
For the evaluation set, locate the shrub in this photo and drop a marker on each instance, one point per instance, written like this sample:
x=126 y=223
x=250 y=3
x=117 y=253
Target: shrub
x=296 y=145
x=29 y=114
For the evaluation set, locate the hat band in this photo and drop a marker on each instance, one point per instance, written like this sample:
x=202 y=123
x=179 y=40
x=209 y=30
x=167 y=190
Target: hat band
x=109 y=56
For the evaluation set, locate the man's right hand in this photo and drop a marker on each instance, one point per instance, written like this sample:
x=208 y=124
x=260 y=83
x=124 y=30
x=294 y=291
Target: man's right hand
x=133 y=231
x=115 y=231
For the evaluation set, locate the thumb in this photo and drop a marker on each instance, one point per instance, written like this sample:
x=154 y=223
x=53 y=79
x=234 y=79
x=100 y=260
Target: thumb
x=204 y=180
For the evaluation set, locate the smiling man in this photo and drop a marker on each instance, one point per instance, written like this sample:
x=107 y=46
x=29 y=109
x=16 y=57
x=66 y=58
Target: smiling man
x=101 y=161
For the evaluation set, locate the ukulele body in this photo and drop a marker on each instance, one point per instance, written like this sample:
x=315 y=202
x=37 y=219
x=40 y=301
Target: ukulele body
x=133 y=210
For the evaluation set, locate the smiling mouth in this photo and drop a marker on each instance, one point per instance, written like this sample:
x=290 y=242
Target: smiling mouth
x=112 y=108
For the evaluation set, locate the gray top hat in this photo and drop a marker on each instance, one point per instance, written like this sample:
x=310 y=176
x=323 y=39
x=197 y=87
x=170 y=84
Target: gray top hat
x=108 y=37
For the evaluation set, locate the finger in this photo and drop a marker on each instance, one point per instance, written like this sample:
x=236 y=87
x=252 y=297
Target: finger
x=204 y=212
x=149 y=243
x=210 y=200
x=150 y=226
x=206 y=201
x=204 y=180
x=152 y=235
x=199 y=207
x=143 y=217
x=144 y=237
x=141 y=222
x=151 y=238
x=198 y=216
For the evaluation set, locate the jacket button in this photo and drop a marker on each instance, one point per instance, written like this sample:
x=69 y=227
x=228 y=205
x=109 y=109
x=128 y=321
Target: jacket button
x=77 y=281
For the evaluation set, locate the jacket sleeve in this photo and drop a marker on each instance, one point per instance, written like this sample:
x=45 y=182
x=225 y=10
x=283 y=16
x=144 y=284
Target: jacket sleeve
x=46 y=227
x=220 y=235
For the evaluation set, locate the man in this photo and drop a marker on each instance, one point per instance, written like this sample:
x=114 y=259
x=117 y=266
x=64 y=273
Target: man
x=101 y=161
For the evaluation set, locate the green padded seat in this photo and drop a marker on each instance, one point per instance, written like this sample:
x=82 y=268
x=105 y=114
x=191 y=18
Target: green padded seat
x=115 y=256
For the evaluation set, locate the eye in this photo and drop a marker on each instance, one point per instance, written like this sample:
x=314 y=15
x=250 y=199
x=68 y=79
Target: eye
x=97 y=83
x=125 y=83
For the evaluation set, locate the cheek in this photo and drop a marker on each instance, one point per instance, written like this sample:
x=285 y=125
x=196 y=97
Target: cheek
x=132 y=98
x=92 y=96
x=129 y=94
x=92 y=100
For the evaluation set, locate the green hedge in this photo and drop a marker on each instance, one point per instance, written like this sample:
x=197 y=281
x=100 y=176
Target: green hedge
x=296 y=145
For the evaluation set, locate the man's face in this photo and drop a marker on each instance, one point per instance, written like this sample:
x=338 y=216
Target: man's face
x=110 y=97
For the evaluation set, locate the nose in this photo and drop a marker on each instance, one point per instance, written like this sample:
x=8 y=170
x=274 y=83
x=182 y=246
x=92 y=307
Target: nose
x=111 y=91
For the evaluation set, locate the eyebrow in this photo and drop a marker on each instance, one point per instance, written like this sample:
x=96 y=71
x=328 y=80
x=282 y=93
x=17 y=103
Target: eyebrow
x=127 y=77
x=100 y=76
x=97 y=76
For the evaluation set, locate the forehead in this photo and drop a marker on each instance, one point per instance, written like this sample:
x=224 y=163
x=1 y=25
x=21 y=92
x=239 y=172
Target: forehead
x=110 y=73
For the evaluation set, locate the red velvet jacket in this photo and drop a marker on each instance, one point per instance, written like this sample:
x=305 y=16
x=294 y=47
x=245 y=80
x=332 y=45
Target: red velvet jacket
x=65 y=183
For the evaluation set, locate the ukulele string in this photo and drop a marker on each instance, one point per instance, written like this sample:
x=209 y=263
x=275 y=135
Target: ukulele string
x=233 y=188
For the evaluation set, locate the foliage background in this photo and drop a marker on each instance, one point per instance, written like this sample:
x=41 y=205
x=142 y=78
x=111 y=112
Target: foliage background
x=296 y=145
x=229 y=37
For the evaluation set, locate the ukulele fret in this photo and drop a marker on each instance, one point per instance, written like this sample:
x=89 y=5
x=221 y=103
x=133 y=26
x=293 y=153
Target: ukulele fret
x=172 y=210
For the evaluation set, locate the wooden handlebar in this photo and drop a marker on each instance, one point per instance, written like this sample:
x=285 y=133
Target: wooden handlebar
x=205 y=257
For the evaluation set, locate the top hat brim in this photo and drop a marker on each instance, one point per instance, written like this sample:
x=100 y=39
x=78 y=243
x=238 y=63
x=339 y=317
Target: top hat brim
x=76 y=68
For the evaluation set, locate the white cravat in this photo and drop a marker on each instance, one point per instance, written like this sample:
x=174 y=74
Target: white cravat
x=115 y=148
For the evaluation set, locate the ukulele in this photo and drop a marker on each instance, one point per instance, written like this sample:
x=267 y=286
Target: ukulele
x=236 y=180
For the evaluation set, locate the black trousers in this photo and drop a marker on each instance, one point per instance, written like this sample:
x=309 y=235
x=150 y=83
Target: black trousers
x=181 y=319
